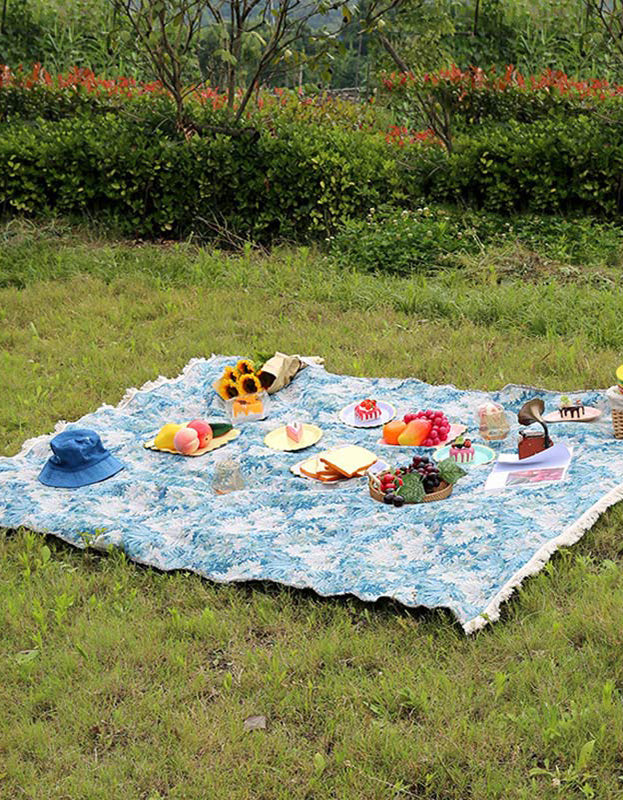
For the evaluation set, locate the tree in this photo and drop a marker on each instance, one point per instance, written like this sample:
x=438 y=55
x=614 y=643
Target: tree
x=411 y=36
x=610 y=16
x=168 y=30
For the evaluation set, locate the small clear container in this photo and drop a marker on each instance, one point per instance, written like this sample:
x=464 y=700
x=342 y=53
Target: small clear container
x=247 y=407
x=227 y=477
x=493 y=422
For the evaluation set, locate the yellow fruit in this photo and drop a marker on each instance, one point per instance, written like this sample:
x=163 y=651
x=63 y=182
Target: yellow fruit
x=165 y=436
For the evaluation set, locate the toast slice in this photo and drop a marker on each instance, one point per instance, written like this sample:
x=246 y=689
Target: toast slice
x=316 y=469
x=348 y=461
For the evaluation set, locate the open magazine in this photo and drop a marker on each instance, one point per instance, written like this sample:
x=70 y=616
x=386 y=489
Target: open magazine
x=550 y=466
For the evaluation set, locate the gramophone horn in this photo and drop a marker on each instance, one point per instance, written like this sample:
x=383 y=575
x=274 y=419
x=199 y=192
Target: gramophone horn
x=532 y=411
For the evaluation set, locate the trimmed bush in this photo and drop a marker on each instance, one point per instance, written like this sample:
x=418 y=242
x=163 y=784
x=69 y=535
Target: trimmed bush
x=300 y=180
x=551 y=166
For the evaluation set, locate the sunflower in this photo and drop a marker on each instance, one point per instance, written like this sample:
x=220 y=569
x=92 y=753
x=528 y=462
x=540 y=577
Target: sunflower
x=231 y=389
x=245 y=367
x=230 y=374
x=220 y=388
x=227 y=388
x=248 y=384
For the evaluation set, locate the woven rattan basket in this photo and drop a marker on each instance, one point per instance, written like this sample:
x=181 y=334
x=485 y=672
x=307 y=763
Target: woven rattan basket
x=374 y=484
x=617 y=423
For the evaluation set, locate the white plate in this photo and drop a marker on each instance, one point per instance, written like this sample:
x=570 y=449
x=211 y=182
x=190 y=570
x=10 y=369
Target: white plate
x=347 y=415
x=590 y=414
x=378 y=466
x=456 y=429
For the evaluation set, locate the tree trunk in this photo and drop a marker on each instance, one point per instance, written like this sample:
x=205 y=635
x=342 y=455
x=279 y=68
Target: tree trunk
x=3 y=18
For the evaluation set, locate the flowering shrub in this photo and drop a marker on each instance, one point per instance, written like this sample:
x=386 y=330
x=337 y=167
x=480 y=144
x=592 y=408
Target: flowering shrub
x=489 y=80
x=39 y=93
x=312 y=164
x=475 y=95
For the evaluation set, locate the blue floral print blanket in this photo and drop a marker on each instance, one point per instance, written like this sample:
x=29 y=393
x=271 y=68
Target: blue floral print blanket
x=466 y=553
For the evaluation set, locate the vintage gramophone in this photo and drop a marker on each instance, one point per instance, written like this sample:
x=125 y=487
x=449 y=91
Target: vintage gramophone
x=532 y=442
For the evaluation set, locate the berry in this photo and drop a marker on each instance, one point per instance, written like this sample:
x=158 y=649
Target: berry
x=399 y=500
x=388 y=498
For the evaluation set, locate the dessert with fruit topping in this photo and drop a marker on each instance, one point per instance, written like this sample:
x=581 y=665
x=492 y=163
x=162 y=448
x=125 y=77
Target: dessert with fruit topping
x=367 y=410
x=569 y=410
x=461 y=449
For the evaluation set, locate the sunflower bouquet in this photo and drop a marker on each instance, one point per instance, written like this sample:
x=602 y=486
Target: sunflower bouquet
x=242 y=389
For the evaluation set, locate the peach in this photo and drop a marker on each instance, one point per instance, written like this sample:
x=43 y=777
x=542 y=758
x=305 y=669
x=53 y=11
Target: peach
x=186 y=441
x=204 y=432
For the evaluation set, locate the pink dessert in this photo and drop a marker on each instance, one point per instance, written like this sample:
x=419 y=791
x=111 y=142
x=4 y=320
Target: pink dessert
x=367 y=410
x=294 y=431
x=462 y=450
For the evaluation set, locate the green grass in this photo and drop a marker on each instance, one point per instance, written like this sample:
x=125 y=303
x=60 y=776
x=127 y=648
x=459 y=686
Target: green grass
x=121 y=682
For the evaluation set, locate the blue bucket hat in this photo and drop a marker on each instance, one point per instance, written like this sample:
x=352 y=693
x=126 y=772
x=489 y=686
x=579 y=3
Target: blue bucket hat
x=79 y=459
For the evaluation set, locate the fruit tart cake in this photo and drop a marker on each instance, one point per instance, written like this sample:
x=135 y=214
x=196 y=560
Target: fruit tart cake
x=569 y=410
x=367 y=410
x=461 y=449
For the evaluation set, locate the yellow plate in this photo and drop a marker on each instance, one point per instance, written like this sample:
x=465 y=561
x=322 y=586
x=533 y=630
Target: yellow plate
x=217 y=442
x=278 y=439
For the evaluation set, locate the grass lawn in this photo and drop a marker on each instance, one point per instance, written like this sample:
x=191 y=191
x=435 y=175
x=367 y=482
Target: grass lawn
x=121 y=682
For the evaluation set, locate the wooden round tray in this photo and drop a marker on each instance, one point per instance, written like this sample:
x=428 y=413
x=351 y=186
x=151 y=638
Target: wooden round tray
x=374 y=485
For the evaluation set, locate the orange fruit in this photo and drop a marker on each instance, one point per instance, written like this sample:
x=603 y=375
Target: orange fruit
x=392 y=430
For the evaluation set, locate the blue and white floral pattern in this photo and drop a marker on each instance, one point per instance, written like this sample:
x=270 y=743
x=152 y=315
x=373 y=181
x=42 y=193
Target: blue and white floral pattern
x=466 y=553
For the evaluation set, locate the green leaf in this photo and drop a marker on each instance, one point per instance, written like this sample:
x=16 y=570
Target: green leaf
x=450 y=471
x=26 y=656
x=226 y=56
x=412 y=488
x=320 y=763
x=585 y=755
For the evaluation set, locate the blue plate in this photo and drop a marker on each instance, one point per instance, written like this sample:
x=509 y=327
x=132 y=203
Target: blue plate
x=482 y=455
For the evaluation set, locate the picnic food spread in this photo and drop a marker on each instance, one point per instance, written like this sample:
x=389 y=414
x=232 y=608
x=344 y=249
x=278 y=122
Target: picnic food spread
x=425 y=479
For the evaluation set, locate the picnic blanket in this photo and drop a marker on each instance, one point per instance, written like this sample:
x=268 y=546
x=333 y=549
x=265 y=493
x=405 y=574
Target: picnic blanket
x=466 y=553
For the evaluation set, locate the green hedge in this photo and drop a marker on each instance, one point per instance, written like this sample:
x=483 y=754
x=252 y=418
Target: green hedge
x=299 y=180
x=550 y=166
